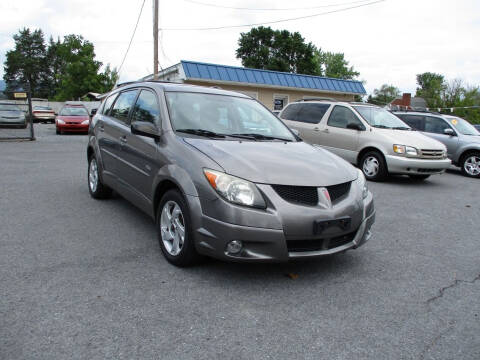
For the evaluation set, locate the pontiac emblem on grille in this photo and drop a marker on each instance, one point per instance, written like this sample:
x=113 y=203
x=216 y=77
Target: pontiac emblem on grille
x=324 y=197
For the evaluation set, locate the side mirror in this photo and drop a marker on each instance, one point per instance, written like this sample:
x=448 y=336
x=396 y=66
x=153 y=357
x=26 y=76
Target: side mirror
x=145 y=128
x=93 y=112
x=449 y=131
x=355 y=126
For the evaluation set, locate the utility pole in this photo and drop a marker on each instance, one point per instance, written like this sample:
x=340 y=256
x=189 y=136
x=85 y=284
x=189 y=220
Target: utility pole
x=155 y=39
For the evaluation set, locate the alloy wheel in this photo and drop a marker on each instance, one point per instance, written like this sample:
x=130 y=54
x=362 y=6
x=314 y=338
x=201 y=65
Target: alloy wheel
x=93 y=175
x=472 y=165
x=172 y=227
x=371 y=166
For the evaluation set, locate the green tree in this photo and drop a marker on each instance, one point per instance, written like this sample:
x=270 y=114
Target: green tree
x=384 y=95
x=280 y=50
x=431 y=87
x=334 y=65
x=78 y=71
x=26 y=62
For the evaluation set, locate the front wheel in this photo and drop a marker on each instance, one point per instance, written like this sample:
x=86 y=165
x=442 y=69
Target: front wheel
x=175 y=230
x=373 y=166
x=95 y=186
x=419 y=177
x=470 y=164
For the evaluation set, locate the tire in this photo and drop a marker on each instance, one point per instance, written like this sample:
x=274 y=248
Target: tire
x=373 y=166
x=470 y=164
x=173 y=219
x=57 y=131
x=95 y=186
x=419 y=177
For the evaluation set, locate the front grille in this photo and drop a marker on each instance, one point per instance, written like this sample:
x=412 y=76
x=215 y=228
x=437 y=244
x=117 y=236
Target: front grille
x=338 y=191
x=308 y=195
x=431 y=154
x=319 y=244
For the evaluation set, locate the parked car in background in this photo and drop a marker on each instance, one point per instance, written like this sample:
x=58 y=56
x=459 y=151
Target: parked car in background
x=223 y=176
x=12 y=116
x=43 y=114
x=72 y=118
x=368 y=136
x=459 y=136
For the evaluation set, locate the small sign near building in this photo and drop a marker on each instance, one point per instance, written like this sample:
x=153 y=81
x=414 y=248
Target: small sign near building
x=20 y=95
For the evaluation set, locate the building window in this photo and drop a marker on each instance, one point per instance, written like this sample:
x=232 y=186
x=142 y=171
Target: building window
x=279 y=101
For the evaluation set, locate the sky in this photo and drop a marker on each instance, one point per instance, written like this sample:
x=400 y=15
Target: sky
x=387 y=42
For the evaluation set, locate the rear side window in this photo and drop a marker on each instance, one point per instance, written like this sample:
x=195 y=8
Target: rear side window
x=123 y=104
x=290 y=112
x=435 y=125
x=341 y=116
x=146 y=108
x=414 y=121
x=108 y=104
x=312 y=113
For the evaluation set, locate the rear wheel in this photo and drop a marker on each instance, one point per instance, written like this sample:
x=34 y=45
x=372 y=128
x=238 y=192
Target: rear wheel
x=175 y=230
x=470 y=164
x=373 y=166
x=95 y=186
x=419 y=177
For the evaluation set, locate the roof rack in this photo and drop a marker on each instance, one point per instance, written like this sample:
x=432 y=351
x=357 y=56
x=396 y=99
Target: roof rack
x=317 y=99
x=143 y=81
x=416 y=110
x=361 y=103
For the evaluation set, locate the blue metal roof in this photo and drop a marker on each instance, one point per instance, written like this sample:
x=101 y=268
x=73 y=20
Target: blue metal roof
x=205 y=71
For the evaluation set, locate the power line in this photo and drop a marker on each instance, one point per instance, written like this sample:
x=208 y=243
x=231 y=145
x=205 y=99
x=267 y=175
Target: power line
x=131 y=39
x=272 y=9
x=275 y=21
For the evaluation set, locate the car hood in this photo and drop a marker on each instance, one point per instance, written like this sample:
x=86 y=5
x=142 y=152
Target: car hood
x=411 y=138
x=276 y=162
x=73 y=118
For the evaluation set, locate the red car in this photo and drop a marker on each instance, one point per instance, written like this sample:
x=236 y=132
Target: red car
x=72 y=118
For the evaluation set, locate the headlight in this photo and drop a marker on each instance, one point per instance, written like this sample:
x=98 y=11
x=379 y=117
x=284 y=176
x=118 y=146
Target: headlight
x=234 y=189
x=85 y=122
x=60 y=121
x=362 y=184
x=402 y=149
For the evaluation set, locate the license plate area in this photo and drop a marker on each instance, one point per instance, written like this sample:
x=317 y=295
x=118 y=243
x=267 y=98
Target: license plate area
x=342 y=224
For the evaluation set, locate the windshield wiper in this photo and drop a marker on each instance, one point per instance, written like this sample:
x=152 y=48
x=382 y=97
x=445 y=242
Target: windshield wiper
x=260 y=137
x=401 y=128
x=202 y=132
x=382 y=126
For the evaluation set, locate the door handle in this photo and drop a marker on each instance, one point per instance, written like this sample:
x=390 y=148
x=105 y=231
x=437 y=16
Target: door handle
x=316 y=129
x=123 y=139
x=101 y=128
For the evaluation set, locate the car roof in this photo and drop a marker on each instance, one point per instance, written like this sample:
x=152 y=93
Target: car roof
x=179 y=87
x=333 y=102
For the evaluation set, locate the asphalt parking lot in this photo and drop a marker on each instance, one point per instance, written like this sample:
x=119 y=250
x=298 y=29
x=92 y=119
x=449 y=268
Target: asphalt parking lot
x=85 y=279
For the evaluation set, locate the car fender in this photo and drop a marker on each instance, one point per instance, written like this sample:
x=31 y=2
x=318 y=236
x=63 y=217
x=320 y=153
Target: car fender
x=464 y=148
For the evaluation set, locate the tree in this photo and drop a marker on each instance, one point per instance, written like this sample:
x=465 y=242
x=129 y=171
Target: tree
x=280 y=50
x=384 y=95
x=431 y=88
x=25 y=63
x=334 y=65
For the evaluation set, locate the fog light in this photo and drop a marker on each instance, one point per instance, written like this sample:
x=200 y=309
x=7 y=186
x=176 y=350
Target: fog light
x=234 y=247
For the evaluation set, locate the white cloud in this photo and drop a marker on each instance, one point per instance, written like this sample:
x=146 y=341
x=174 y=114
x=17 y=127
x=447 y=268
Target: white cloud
x=389 y=42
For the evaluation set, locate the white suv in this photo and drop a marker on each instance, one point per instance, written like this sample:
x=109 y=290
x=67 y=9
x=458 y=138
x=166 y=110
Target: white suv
x=368 y=136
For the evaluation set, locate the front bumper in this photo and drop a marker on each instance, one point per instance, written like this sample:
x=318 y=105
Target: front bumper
x=72 y=127
x=412 y=166
x=269 y=245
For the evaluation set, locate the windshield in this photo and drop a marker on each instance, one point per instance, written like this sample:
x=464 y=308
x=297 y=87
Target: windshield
x=224 y=115
x=42 y=108
x=463 y=126
x=74 y=111
x=378 y=117
x=9 y=107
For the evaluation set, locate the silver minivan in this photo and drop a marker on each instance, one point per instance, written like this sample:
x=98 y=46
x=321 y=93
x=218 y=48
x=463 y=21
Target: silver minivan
x=368 y=136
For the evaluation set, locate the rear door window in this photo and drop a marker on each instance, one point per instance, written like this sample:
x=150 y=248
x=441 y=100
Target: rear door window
x=341 y=116
x=435 y=125
x=146 y=108
x=123 y=105
x=312 y=113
